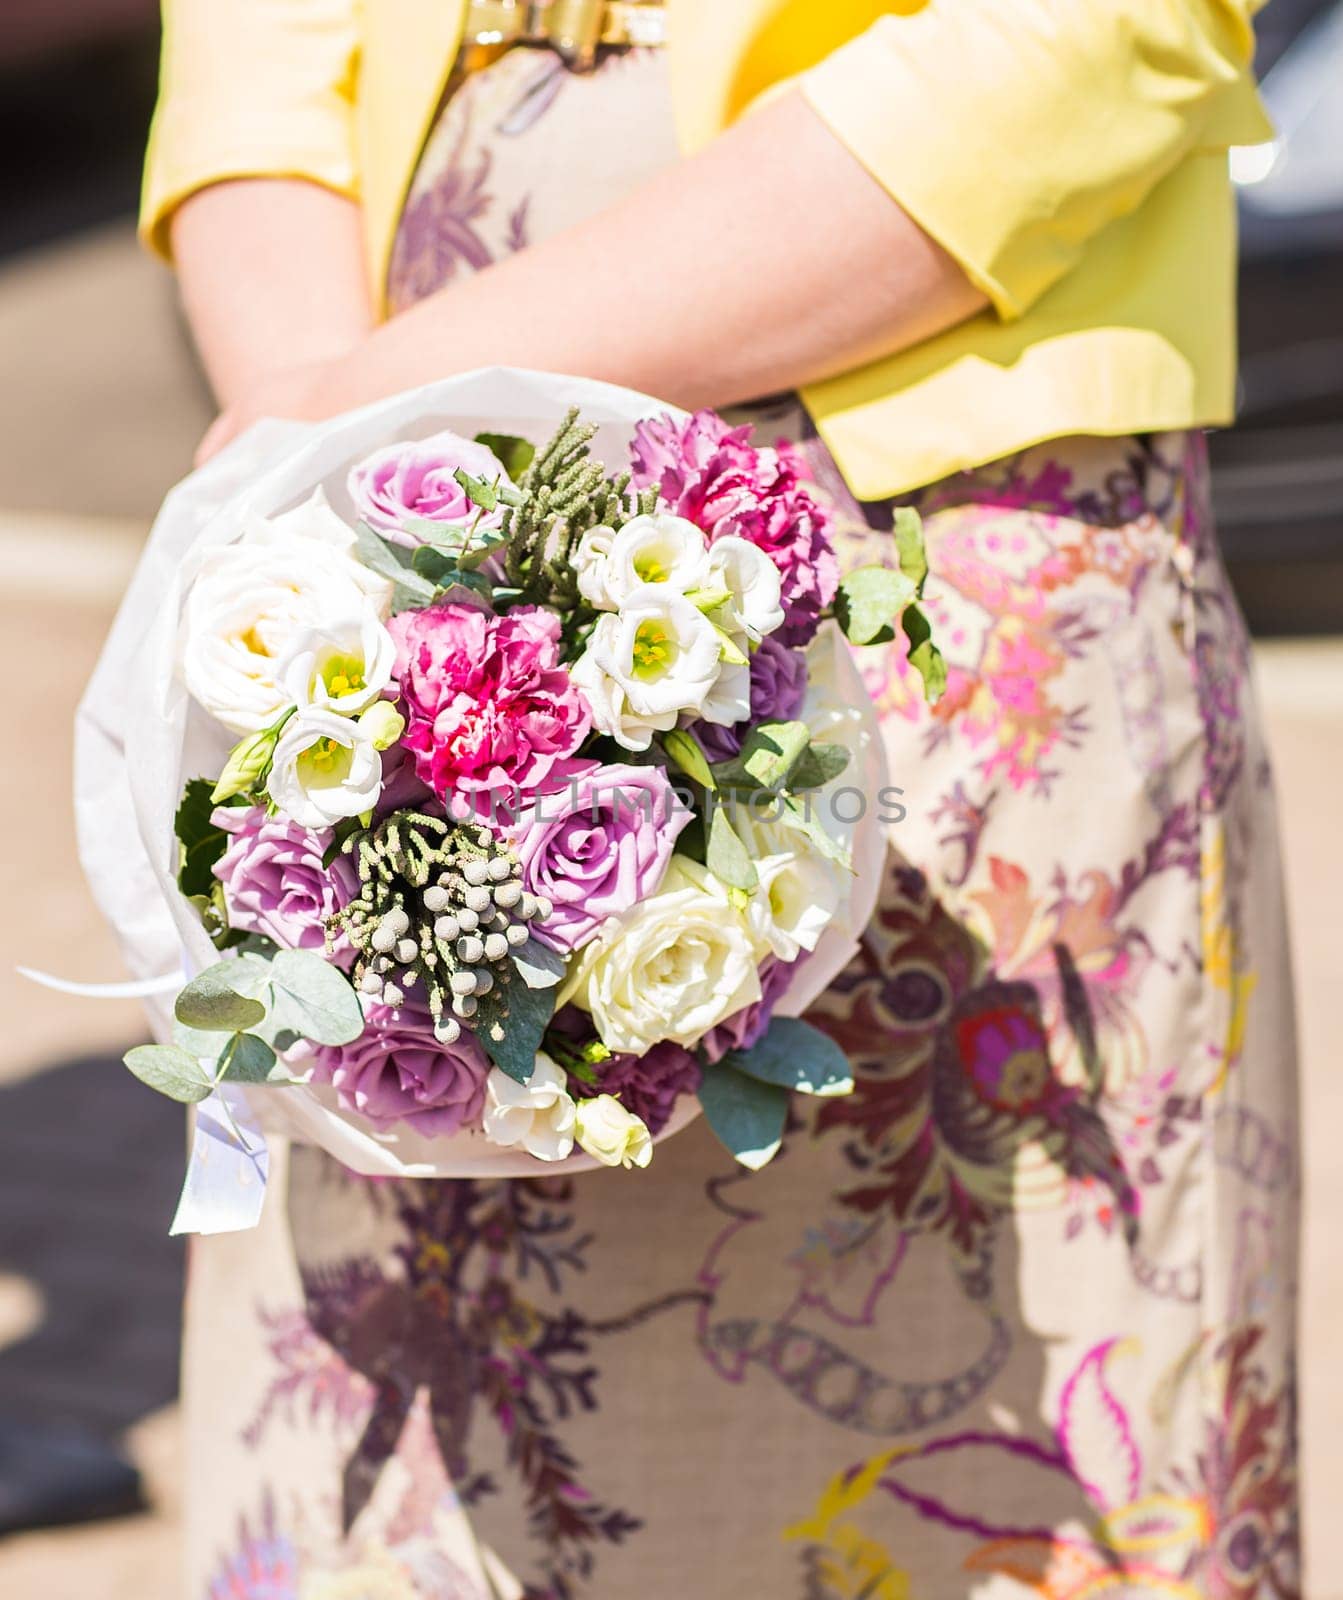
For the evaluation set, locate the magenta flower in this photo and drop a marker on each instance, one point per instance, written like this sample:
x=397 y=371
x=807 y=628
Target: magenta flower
x=597 y=846
x=489 y=709
x=415 y=478
x=713 y=476
x=648 y=1085
x=396 y=1071
x=274 y=880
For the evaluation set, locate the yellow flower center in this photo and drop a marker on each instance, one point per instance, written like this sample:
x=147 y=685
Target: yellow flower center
x=654 y=648
x=342 y=675
x=650 y=568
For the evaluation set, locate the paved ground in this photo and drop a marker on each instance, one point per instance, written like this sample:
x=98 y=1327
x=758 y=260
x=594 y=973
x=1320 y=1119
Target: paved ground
x=104 y=418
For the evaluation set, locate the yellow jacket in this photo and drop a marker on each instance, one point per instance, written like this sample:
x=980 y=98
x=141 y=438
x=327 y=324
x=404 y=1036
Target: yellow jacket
x=1071 y=154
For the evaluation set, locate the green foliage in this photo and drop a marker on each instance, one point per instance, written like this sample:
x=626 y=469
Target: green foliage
x=513 y=454
x=313 y=999
x=511 y=1021
x=794 y=1055
x=724 y=853
x=211 y=1002
x=747 y=1115
x=924 y=656
x=202 y=843
x=684 y=751
x=170 y=1071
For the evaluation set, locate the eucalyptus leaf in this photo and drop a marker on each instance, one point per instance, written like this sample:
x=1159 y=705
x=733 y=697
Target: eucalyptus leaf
x=684 y=750
x=870 y=601
x=924 y=656
x=746 y=1114
x=818 y=765
x=510 y=1022
x=248 y=1059
x=767 y=757
x=794 y=1055
x=725 y=855
x=538 y=966
x=313 y=999
x=211 y=1002
x=170 y=1071
x=907 y=530
x=514 y=455
x=409 y=589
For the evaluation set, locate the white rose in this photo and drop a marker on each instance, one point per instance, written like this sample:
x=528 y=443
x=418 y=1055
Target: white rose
x=340 y=666
x=612 y=1135
x=753 y=583
x=252 y=600
x=671 y=967
x=538 y=1114
x=645 y=664
x=800 y=890
x=324 y=768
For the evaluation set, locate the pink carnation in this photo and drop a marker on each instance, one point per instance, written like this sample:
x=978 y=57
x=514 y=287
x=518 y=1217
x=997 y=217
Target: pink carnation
x=489 y=709
x=713 y=476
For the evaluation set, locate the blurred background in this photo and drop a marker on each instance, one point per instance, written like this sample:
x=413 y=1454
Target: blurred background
x=100 y=408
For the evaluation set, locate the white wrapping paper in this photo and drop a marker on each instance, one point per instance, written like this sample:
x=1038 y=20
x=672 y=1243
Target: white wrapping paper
x=139 y=737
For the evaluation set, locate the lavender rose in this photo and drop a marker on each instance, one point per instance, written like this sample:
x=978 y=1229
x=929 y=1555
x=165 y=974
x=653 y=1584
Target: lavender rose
x=416 y=479
x=396 y=1071
x=778 y=687
x=274 y=880
x=597 y=847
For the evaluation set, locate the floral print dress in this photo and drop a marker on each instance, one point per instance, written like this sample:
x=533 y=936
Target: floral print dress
x=1016 y=1317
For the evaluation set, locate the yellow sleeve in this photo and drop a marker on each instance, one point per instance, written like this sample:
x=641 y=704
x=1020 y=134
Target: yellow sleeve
x=250 y=88
x=1013 y=131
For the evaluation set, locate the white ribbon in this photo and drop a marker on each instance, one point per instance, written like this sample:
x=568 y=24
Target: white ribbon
x=132 y=989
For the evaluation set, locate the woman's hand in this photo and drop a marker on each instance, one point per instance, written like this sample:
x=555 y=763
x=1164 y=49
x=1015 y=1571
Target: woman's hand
x=304 y=393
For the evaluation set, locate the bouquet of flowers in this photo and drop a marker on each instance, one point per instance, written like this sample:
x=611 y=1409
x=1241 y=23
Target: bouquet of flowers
x=526 y=802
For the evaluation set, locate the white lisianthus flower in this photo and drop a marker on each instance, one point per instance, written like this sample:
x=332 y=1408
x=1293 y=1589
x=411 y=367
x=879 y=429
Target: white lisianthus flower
x=251 y=601
x=753 y=583
x=325 y=768
x=340 y=666
x=647 y=663
x=612 y=1135
x=729 y=701
x=588 y=560
x=796 y=900
x=539 y=1114
x=672 y=967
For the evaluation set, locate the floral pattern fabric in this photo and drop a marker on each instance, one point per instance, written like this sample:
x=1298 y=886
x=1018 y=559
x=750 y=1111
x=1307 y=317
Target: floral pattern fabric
x=1015 y=1318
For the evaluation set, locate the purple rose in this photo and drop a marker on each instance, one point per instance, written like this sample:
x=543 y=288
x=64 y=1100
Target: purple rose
x=597 y=847
x=778 y=687
x=396 y=1071
x=416 y=479
x=648 y=1085
x=274 y=880
x=712 y=475
x=744 y=1028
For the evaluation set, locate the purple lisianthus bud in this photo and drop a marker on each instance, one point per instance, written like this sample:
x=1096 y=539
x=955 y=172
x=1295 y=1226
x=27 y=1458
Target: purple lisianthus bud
x=397 y=1071
x=596 y=847
x=416 y=479
x=274 y=880
x=778 y=687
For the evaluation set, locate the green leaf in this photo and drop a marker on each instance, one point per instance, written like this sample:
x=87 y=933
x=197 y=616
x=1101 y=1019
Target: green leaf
x=409 y=589
x=818 y=765
x=924 y=656
x=511 y=1021
x=907 y=529
x=725 y=855
x=515 y=455
x=801 y=816
x=684 y=750
x=728 y=647
x=768 y=755
x=479 y=491
x=869 y=603
x=202 y=842
x=435 y=564
x=313 y=999
x=797 y=1056
x=170 y=1071
x=248 y=1059
x=212 y=1003
x=747 y=1115
x=538 y=966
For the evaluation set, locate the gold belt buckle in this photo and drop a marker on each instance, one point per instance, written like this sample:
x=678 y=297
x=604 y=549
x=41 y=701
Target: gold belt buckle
x=573 y=28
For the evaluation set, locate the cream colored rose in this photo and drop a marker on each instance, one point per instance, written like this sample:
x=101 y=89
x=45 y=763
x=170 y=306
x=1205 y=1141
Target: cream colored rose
x=538 y=1114
x=612 y=1135
x=671 y=967
x=253 y=600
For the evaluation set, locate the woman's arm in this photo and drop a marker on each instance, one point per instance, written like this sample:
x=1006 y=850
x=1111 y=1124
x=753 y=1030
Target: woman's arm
x=272 y=278
x=770 y=259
